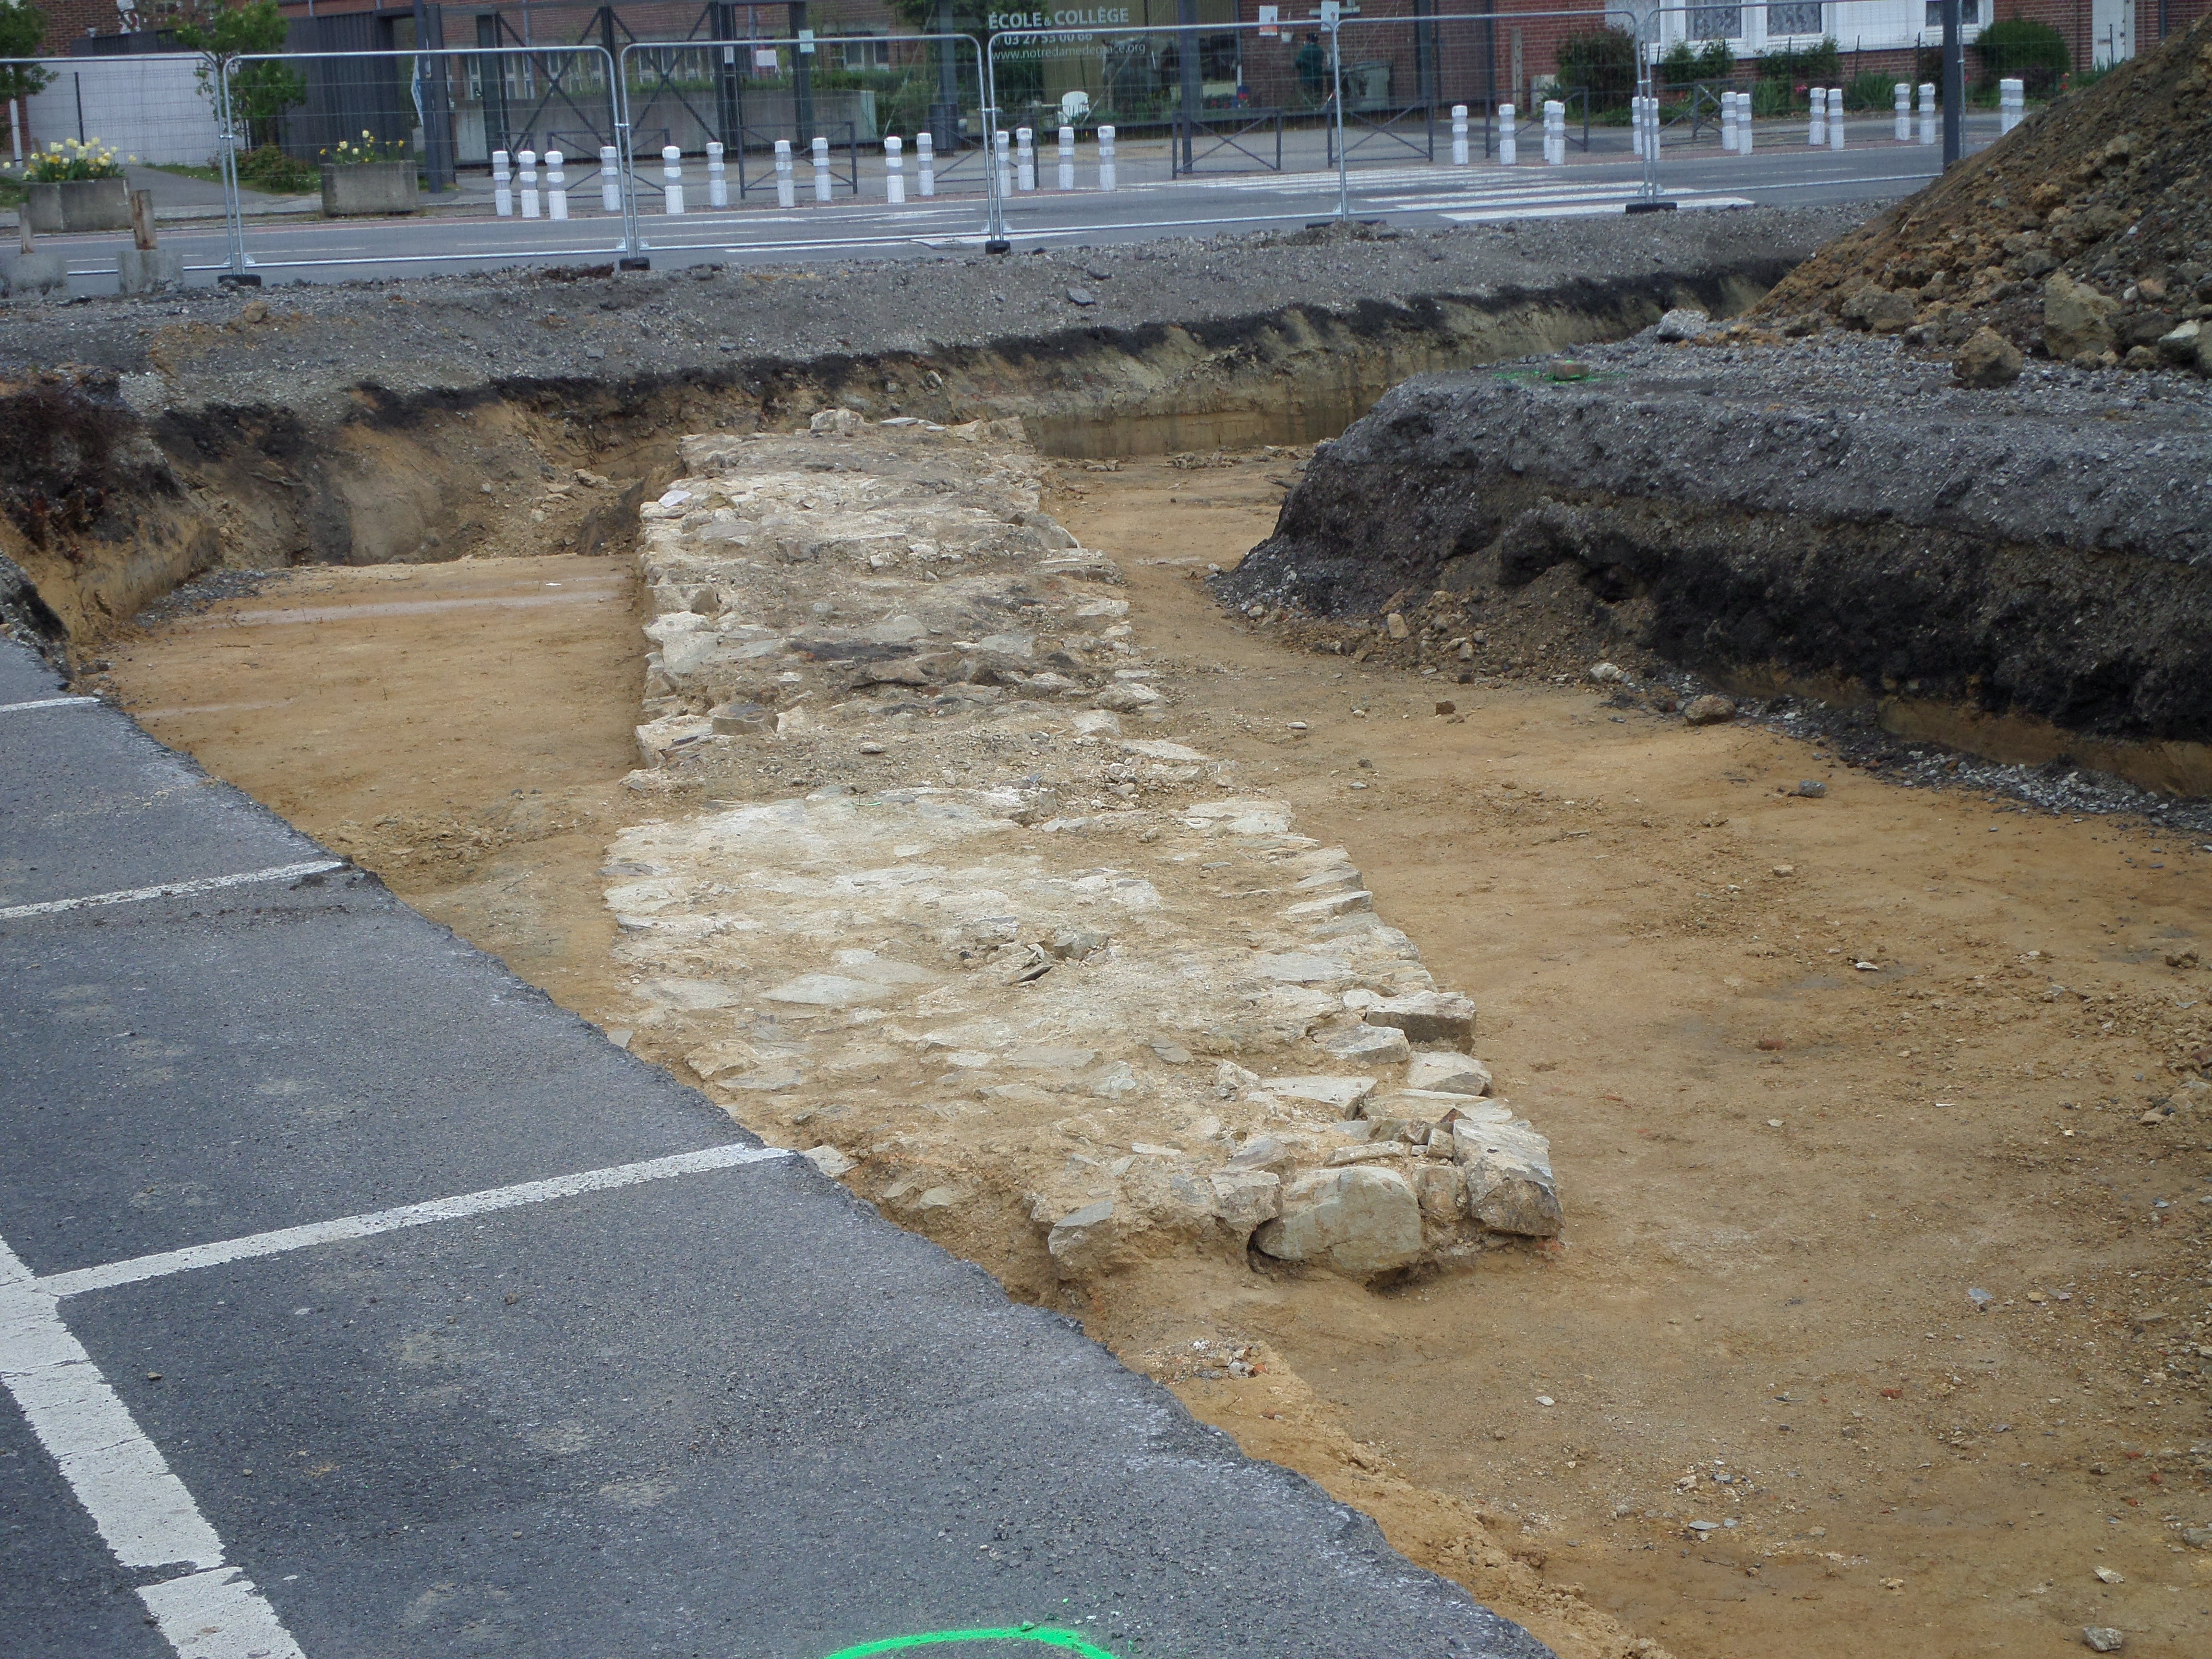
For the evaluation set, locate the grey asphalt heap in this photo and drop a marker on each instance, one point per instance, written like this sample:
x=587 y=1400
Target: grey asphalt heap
x=355 y=1300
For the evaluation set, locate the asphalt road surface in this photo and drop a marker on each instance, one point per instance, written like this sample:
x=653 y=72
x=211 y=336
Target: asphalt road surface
x=1388 y=182
x=354 y=1300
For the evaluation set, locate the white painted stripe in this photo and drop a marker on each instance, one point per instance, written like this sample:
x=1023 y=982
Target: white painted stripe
x=46 y=702
x=218 y=1614
x=172 y=889
x=81 y=1279
x=139 y=1505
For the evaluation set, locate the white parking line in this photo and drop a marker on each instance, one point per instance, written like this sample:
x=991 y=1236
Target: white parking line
x=44 y=703
x=81 y=1279
x=140 y=1507
x=172 y=889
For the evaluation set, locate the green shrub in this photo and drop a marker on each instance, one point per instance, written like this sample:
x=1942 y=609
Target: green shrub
x=1819 y=65
x=1870 y=91
x=1770 y=97
x=269 y=168
x=1604 y=60
x=2035 y=52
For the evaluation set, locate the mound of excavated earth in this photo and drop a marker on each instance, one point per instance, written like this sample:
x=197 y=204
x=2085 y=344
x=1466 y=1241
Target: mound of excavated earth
x=1835 y=515
x=2086 y=233
x=1030 y=955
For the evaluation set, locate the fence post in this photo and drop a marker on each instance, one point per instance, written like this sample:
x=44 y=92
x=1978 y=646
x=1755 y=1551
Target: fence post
x=234 y=210
x=787 y=187
x=556 y=186
x=528 y=158
x=502 y=192
x=1106 y=158
x=671 y=181
x=1509 y=148
x=925 y=163
x=1459 y=135
x=1835 y=118
x=819 y=152
x=718 y=176
x=1067 y=158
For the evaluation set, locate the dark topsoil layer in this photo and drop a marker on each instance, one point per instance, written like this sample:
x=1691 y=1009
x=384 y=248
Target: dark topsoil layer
x=313 y=348
x=1834 y=515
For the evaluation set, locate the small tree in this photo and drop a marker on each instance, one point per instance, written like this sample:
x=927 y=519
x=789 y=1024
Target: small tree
x=222 y=34
x=22 y=27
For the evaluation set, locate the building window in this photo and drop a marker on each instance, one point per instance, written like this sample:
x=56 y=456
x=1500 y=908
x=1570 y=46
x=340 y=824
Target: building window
x=1716 y=22
x=868 y=54
x=1970 y=13
x=1799 y=17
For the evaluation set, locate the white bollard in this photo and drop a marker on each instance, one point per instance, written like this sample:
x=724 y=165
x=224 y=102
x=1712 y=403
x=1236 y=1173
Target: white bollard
x=1743 y=124
x=671 y=181
x=1555 y=132
x=718 y=177
x=1835 y=118
x=527 y=160
x=1067 y=158
x=1926 y=112
x=1025 y=159
x=1635 y=124
x=819 y=153
x=1509 y=149
x=609 y=180
x=1459 y=135
x=556 y=186
x=1651 y=128
x=894 y=170
x=1816 y=125
x=502 y=194
x=925 y=164
x=1901 y=95
x=1106 y=158
x=1002 y=160
x=1728 y=122
x=787 y=190
x=2011 y=104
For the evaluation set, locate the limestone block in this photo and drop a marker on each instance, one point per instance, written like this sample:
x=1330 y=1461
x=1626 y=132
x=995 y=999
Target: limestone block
x=1448 y=1073
x=1358 y=1222
x=1081 y=1241
x=1428 y=1017
x=1509 y=1185
x=1247 y=1198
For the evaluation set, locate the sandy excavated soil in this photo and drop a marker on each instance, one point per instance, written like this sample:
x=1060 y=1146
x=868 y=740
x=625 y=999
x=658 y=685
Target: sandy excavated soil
x=1784 y=1174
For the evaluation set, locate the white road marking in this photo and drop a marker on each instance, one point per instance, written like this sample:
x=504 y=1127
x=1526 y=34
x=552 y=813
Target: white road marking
x=139 y=1505
x=81 y=1279
x=172 y=889
x=46 y=702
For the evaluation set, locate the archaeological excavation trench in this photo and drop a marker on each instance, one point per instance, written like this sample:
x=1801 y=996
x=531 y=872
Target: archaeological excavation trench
x=1461 y=1087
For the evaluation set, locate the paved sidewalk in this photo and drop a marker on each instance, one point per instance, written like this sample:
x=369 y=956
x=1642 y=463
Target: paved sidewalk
x=355 y=1300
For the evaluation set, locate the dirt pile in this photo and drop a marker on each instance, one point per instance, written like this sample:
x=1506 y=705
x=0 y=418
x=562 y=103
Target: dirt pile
x=2104 y=191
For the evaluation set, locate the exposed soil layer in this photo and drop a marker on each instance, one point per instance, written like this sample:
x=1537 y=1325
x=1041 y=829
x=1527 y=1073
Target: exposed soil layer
x=1832 y=515
x=146 y=441
x=1611 y=886
x=2107 y=187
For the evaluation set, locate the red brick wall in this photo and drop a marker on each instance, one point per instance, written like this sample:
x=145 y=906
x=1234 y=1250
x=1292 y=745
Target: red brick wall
x=71 y=20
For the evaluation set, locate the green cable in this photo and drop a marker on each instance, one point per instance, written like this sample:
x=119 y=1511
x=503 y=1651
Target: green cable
x=1065 y=1639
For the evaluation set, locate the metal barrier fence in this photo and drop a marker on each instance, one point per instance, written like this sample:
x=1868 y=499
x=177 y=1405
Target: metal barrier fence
x=894 y=125
x=816 y=145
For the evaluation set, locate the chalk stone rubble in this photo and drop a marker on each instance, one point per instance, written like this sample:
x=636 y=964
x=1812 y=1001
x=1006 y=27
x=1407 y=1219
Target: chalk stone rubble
x=1102 y=988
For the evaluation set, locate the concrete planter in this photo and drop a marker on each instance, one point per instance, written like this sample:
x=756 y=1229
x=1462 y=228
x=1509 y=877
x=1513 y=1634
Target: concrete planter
x=369 y=187
x=79 y=204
